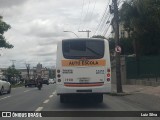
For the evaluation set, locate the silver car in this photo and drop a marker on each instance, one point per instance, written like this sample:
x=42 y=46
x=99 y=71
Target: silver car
x=4 y=86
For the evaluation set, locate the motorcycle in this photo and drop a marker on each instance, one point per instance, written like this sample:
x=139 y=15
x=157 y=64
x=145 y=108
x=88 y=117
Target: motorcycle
x=39 y=85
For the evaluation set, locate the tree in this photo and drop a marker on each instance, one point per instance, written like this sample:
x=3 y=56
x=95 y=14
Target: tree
x=125 y=43
x=12 y=72
x=141 y=20
x=99 y=36
x=3 y=28
x=110 y=40
x=52 y=73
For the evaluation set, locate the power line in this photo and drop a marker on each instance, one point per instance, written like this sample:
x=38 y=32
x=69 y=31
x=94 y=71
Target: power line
x=106 y=31
x=109 y=25
x=94 y=4
x=102 y=18
x=106 y=23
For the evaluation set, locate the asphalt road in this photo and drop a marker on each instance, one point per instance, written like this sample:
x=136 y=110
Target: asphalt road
x=32 y=99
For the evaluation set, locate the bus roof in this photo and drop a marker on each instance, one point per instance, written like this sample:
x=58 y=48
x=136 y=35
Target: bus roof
x=84 y=39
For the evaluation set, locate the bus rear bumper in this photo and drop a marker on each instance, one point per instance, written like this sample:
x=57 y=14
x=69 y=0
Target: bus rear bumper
x=61 y=89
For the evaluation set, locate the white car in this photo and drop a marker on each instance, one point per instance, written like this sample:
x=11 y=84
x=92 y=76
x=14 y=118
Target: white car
x=51 y=81
x=4 y=86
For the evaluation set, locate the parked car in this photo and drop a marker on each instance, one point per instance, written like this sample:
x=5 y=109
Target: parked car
x=5 y=86
x=30 y=82
x=51 y=81
x=45 y=81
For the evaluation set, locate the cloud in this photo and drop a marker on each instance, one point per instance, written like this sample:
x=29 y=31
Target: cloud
x=49 y=41
x=46 y=54
x=11 y=3
x=44 y=28
x=38 y=25
x=43 y=50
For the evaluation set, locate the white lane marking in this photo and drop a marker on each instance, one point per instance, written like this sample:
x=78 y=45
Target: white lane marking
x=17 y=87
x=46 y=101
x=27 y=90
x=50 y=96
x=39 y=109
x=5 y=97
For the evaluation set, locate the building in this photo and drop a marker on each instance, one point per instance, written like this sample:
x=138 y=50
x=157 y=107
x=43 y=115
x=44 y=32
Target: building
x=45 y=73
x=122 y=32
x=39 y=69
x=33 y=72
x=24 y=73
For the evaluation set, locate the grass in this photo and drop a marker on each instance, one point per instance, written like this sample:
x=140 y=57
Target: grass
x=17 y=85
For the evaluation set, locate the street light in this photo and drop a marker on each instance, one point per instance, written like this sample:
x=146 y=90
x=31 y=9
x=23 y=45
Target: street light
x=71 y=32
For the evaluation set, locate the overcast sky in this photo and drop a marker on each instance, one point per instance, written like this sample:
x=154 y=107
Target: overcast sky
x=37 y=25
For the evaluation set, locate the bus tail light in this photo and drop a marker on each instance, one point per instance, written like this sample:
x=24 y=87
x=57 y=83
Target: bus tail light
x=59 y=80
x=108 y=79
x=108 y=75
x=58 y=71
x=58 y=75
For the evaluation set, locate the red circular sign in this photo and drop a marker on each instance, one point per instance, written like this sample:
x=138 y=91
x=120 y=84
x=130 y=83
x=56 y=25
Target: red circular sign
x=118 y=49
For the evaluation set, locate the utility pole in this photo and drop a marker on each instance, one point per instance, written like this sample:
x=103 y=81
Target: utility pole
x=13 y=62
x=28 y=68
x=88 y=31
x=114 y=10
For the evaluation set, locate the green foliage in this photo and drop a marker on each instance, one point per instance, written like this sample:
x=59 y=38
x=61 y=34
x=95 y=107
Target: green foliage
x=125 y=43
x=98 y=36
x=3 y=28
x=12 y=72
x=127 y=46
x=141 y=21
x=52 y=73
x=111 y=44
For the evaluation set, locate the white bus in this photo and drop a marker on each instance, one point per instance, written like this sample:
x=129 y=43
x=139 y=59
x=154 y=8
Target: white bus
x=83 y=68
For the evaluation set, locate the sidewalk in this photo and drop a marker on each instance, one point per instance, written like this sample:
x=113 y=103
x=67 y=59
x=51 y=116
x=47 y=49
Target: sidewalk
x=140 y=89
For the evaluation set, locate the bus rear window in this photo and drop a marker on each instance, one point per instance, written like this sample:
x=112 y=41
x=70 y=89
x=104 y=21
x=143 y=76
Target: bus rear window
x=78 y=49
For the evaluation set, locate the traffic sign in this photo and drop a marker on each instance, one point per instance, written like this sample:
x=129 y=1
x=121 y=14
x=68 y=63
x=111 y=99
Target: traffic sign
x=118 y=49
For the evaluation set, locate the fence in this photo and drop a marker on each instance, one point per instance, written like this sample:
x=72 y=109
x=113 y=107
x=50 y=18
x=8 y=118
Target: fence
x=143 y=67
x=145 y=70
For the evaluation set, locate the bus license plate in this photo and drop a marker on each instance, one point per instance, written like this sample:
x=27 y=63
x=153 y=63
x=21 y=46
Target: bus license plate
x=83 y=80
